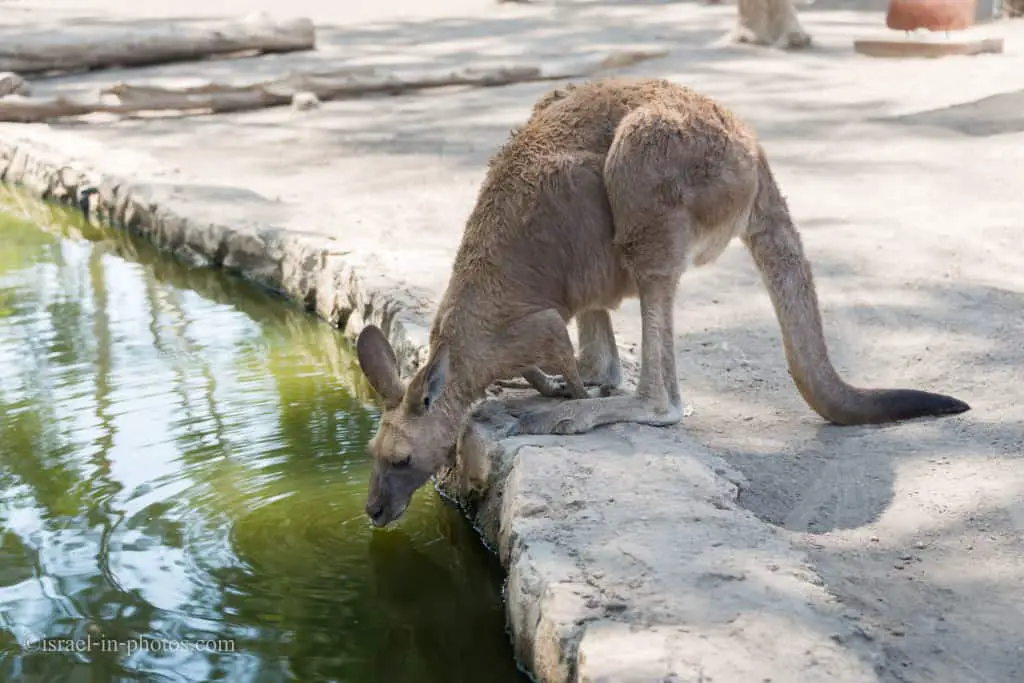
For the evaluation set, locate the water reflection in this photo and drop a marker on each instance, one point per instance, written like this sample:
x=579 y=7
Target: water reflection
x=181 y=460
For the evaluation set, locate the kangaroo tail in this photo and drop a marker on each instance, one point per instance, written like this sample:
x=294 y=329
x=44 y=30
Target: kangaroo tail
x=777 y=250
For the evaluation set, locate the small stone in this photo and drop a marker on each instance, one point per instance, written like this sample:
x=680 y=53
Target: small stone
x=873 y=539
x=304 y=101
x=13 y=84
x=920 y=545
x=863 y=633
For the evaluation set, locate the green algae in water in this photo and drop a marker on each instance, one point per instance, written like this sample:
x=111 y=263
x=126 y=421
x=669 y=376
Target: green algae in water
x=182 y=460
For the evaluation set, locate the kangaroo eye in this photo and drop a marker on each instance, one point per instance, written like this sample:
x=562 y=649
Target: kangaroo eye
x=403 y=463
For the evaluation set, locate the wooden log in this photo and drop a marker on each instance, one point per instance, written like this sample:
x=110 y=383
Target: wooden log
x=70 y=51
x=211 y=98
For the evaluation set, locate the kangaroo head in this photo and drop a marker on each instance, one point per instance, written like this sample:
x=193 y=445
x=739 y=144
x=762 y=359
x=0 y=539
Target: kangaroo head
x=416 y=430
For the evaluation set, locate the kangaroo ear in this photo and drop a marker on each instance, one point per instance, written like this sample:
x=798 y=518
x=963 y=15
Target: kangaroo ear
x=379 y=364
x=437 y=377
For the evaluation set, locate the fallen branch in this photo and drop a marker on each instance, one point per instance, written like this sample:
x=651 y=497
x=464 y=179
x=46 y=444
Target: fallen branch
x=170 y=43
x=212 y=98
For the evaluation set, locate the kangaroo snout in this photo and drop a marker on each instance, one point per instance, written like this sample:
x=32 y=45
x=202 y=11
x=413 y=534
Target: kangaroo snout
x=380 y=505
x=391 y=490
x=375 y=511
x=383 y=510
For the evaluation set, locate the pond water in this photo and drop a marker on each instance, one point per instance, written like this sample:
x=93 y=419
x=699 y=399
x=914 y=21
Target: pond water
x=182 y=476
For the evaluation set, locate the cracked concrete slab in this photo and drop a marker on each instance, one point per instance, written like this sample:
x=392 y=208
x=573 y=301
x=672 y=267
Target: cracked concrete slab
x=630 y=559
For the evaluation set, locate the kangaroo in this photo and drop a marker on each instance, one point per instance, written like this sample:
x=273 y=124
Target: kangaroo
x=611 y=189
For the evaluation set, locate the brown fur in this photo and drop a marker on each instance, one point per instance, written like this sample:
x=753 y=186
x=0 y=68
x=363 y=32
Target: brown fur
x=610 y=190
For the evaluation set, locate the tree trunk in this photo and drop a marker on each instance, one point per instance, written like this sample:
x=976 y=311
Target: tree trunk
x=212 y=98
x=170 y=43
x=770 y=22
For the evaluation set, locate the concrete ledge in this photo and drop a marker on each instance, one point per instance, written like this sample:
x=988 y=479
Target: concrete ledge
x=630 y=560
x=628 y=557
x=318 y=273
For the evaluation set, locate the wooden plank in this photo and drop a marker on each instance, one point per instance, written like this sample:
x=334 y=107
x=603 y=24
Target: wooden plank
x=931 y=49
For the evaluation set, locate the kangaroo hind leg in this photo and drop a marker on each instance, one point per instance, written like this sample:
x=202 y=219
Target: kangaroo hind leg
x=679 y=182
x=653 y=232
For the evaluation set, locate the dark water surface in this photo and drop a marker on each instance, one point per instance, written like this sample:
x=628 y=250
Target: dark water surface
x=182 y=460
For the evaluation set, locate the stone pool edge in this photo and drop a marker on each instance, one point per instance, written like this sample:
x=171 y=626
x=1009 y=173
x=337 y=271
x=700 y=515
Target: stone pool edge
x=569 y=622
x=317 y=273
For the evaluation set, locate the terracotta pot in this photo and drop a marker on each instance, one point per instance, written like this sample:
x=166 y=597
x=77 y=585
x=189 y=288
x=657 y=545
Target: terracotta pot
x=934 y=15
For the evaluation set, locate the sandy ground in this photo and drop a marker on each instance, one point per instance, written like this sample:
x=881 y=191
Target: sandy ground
x=902 y=176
